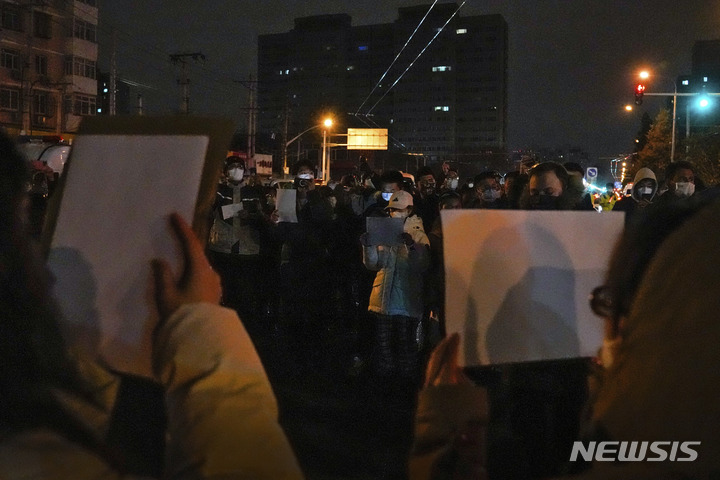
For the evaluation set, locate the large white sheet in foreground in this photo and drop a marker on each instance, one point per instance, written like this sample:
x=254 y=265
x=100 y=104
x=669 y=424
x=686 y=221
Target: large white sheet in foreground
x=518 y=282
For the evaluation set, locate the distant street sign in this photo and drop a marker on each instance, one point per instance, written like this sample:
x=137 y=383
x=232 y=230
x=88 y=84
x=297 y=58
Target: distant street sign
x=591 y=174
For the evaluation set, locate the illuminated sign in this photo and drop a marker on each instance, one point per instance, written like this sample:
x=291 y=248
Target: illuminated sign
x=367 y=139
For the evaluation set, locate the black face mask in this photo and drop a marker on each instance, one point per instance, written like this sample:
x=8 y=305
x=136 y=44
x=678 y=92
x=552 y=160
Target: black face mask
x=543 y=202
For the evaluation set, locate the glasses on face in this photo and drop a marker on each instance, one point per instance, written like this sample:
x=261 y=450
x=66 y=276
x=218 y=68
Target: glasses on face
x=602 y=302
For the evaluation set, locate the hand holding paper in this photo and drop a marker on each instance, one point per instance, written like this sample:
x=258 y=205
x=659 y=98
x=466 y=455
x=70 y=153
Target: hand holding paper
x=197 y=283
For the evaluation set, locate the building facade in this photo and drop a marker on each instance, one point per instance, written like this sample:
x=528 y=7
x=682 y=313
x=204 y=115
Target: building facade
x=444 y=98
x=48 y=65
x=694 y=117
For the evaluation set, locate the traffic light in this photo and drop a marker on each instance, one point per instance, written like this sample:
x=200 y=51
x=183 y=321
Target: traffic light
x=639 y=90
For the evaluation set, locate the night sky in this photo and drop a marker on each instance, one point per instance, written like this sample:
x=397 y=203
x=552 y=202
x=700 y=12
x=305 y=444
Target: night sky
x=571 y=62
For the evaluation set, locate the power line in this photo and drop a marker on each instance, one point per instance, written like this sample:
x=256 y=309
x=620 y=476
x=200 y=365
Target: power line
x=396 y=57
x=418 y=56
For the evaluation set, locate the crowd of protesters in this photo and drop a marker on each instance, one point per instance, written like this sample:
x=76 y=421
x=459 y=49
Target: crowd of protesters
x=655 y=377
x=322 y=270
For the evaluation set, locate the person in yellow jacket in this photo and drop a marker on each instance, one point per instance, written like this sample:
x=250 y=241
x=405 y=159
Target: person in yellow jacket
x=608 y=198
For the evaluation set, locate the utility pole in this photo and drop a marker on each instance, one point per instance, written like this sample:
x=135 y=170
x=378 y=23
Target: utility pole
x=184 y=81
x=285 y=137
x=252 y=115
x=252 y=119
x=113 y=77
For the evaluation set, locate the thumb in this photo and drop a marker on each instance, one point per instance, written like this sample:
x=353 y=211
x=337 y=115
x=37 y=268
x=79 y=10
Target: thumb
x=164 y=286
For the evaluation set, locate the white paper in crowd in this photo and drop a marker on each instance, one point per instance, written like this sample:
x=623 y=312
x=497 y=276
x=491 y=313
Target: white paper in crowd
x=231 y=210
x=286 y=202
x=385 y=231
x=518 y=282
x=113 y=220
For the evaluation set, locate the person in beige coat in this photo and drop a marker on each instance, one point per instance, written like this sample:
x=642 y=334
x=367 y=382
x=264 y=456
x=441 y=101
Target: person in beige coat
x=54 y=411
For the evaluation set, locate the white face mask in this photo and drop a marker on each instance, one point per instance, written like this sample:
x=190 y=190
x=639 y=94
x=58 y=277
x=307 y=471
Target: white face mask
x=399 y=214
x=386 y=196
x=236 y=174
x=645 y=191
x=452 y=183
x=306 y=176
x=684 y=189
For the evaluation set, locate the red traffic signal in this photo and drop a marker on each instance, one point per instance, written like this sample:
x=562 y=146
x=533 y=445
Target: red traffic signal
x=639 y=90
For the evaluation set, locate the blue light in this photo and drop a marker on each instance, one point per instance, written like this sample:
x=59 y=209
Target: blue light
x=362 y=48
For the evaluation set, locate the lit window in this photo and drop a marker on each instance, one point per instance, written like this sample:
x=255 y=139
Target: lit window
x=442 y=108
x=442 y=68
x=686 y=82
x=363 y=48
x=704 y=79
x=461 y=31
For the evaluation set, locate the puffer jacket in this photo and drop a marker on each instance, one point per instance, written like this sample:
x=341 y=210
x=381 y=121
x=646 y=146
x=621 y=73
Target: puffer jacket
x=222 y=414
x=398 y=285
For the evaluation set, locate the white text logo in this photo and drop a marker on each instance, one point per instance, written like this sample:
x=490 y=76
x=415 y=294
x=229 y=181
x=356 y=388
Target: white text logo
x=634 y=451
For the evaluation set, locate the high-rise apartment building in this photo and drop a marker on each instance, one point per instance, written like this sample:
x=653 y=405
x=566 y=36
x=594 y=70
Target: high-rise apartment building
x=48 y=65
x=444 y=97
x=694 y=119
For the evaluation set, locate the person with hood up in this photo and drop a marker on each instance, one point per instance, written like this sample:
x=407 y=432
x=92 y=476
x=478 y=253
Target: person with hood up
x=397 y=294
x=645 y=186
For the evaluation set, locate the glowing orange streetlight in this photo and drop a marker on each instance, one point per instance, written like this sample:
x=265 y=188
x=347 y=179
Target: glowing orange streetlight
x=327 y=123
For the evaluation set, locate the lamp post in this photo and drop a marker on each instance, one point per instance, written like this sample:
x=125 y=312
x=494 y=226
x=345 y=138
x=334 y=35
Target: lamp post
x=327 y=123
x=286 y=170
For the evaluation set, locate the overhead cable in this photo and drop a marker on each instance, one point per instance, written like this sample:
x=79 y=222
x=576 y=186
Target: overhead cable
x=418 y=56
x=396 y=57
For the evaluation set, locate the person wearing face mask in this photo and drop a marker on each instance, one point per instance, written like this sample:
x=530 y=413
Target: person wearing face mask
x=488 y=191
x=229 y=191
x=644 y=188
x=680 y=180
x=389 y=182
x=397 y=294
x=238 y=247
x=426 y=200
x=546 y=189
x=451 y=182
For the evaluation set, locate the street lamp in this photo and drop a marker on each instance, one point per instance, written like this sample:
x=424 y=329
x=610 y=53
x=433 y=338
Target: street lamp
x=327 y=123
